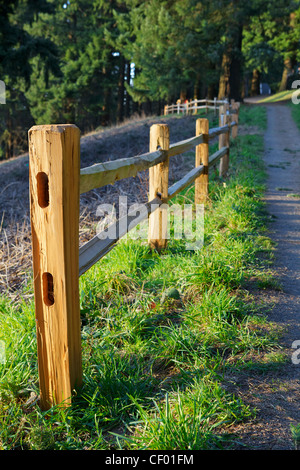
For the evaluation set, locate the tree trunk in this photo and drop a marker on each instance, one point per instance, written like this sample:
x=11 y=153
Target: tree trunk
x=235 y=74
x=121 y=90
x=255 y=91
x=289 y=61
x=9 y=142
x=107 y=95
x=182 y=95
x=225 y=73
x=287 y=70
x=197 y=89
x=128 y=97
x=9 y=147
x=210 y=92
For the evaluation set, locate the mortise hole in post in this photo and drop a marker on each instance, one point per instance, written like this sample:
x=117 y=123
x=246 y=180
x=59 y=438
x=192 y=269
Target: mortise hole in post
x=48 y=291
x=42 y=189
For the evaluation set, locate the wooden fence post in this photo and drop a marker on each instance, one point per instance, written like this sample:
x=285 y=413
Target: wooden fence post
x=194 y=102
x=224 y=141
x=215 y=106
x=221 y=118
x=158 y=185
x=54 y=153
x=202 y=156
x=235 y=117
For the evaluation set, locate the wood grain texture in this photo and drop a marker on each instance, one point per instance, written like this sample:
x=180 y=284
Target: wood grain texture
x=158 y=184
x=102 y=174
x=105 y=173
x=235 y=118
x=201 y=158
x=184 y=145
x=54 y=206
x=225 y=142
x=215 y=157
x=217 y=131
x=184 y=182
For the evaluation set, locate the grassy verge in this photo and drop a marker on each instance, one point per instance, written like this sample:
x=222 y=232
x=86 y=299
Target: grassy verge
x=281 y=96
x=295 y=113
x=159 y=332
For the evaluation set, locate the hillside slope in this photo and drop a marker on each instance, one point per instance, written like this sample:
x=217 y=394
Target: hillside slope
x=127 y=140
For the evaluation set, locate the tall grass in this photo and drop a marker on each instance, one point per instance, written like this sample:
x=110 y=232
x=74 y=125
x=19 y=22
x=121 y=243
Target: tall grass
x=158 y=333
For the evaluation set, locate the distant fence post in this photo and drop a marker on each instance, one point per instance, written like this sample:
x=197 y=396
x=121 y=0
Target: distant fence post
x=215 y=106
x=235 y=117
x=195 y=106
x=224 y=140
x=54 y=153
x=221 y=123
x=158 y=185
x=202 y=156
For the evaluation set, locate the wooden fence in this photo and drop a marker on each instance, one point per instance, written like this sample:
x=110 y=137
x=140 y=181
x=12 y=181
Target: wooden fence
x=192 y=106
x=56 y=183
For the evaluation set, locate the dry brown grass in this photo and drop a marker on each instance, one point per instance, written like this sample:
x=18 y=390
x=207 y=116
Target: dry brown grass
x=129 y=139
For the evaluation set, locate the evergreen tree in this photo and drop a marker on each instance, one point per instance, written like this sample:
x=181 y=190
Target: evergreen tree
x=17 y=48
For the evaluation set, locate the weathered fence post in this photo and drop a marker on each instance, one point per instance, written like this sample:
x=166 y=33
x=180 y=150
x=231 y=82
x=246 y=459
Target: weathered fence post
x=202 y=156
x=54 y=153
x=194 y=103
x=221 y=123
x=235 y=117
x=158 y=185
x=224 y=141
x=215 y=106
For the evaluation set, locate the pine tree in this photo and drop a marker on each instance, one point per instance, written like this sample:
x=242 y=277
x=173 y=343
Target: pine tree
x=17 y=50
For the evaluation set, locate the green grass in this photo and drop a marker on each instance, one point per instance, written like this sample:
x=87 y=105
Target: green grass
x=158 y=332
x=295 y=110
x=281 y=96
x=253 y=116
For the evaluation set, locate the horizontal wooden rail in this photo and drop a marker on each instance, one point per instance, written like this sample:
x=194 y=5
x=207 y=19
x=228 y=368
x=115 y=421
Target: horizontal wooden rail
x=184 y=145
x=93 y=250
x=215 y=157
x=102 y=174
x=97 y=247
x=220 y=130
x=217 y=131
x=185 y=181
x=194 y=105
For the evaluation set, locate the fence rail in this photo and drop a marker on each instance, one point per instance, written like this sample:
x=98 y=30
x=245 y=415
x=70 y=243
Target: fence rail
x=193 y=106
x=56 y=183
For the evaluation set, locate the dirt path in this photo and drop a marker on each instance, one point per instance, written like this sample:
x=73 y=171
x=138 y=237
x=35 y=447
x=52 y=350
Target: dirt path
x=277 y=394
